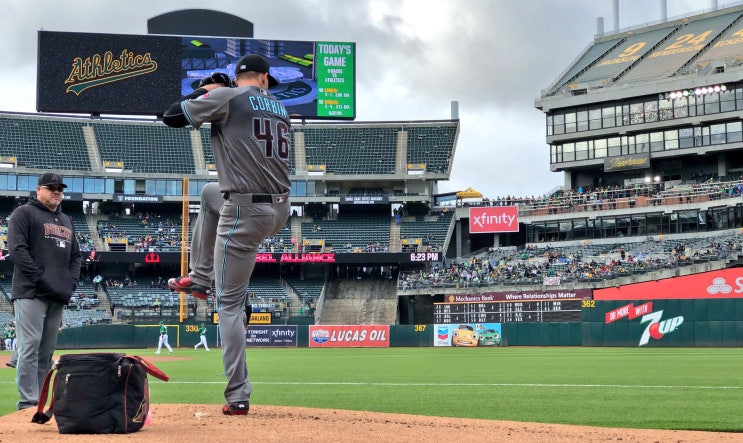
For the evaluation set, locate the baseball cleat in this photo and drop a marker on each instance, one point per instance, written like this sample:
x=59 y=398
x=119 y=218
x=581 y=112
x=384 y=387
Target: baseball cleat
x=10 y=364
x=237 y=408
x=183 y=284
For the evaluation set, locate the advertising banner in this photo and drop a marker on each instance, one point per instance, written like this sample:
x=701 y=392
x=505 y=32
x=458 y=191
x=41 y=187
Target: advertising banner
x=566 y=294
x=664 y=323
x=494 y=219
x=349 y=336
x=271 y=335
x=468 y=334
x=720 y=284
x=626 y=162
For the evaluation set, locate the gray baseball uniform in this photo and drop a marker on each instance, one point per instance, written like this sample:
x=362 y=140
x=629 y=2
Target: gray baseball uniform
x=251 y=140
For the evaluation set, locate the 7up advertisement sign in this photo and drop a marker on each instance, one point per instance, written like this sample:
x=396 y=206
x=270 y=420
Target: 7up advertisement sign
x=657 y=325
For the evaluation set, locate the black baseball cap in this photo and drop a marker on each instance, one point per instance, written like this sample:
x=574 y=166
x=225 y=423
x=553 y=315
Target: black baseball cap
x=256 y=63
x=51 y=178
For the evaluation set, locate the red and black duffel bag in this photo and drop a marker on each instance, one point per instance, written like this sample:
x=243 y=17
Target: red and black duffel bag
x=98 y=393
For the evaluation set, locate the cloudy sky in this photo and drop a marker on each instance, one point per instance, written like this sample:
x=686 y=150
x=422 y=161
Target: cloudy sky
x=414 y=57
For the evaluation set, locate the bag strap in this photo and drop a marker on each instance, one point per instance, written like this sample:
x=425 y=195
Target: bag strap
x=41 y=417
x=148 y=367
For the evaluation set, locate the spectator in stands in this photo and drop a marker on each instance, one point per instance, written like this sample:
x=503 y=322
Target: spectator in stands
x=254 y=181
x=97 y=280
x=81 y=303
x=47 y=261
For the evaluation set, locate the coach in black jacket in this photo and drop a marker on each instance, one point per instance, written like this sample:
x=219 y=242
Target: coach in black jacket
x=46 y=259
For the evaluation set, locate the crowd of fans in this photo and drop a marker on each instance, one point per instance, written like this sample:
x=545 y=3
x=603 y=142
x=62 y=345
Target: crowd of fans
x=596 y=198
x=153 y=234
x=553 y=266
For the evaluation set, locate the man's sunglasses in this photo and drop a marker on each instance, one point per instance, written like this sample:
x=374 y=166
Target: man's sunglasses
x=53 y=188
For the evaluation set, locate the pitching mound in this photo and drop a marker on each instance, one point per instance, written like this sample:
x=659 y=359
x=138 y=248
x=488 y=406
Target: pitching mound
x=181 y=423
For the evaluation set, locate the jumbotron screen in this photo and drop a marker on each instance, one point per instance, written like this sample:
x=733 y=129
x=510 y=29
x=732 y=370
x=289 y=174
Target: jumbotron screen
x=144 y=74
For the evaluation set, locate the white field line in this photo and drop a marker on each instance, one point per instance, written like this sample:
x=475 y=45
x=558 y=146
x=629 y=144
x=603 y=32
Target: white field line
x=464 y=385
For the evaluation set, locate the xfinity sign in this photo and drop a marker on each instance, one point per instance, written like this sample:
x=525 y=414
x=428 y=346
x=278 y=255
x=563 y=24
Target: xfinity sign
x=494 y=219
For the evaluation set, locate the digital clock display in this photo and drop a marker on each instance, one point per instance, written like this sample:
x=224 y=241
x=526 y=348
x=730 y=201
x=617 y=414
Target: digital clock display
x=425 y=256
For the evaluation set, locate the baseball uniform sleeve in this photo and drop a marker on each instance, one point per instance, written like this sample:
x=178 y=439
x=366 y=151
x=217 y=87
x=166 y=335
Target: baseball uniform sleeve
x=212 y=106
x=174 y=116
x=18 y=241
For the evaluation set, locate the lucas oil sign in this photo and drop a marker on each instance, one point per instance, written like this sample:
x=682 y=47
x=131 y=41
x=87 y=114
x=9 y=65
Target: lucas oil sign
x=349 y=336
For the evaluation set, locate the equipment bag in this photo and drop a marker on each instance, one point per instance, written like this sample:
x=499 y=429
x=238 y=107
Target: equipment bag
x=98 y=393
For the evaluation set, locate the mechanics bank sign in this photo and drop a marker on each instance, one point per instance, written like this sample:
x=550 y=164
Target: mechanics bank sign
x=494 y=219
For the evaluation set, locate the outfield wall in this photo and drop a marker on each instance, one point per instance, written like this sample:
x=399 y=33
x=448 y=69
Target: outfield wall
x=699 y=310
x=629 y=323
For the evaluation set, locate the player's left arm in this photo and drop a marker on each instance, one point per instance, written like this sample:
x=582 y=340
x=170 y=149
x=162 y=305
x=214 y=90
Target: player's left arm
x=174 y=116
x=196 y=111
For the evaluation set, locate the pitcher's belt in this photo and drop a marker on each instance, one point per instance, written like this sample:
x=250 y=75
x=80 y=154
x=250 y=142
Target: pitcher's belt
x=255 y=198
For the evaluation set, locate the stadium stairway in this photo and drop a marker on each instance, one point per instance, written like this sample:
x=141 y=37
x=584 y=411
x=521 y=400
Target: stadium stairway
x=395 y=243
x=92 y=221
x=91 y=145
x=5 y=304
x=358 y=302
x=198 y=150
x=296 y=223
x=294 y=300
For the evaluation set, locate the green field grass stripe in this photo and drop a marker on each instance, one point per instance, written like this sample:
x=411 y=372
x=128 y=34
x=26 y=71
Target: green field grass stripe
x=651 y=388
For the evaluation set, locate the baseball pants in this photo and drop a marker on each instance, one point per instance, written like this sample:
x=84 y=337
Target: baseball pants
x=163 y=341
x=242 y=227
x=202 y=342
x=204 y=235
x=38 y=321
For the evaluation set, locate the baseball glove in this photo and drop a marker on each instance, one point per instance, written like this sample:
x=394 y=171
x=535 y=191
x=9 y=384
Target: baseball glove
x=218 y=78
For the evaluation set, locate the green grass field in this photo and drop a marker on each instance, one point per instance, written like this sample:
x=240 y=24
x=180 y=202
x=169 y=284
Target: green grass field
x=659 y=388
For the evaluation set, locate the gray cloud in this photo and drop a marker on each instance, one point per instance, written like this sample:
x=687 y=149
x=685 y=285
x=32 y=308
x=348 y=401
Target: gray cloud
x=413 y=58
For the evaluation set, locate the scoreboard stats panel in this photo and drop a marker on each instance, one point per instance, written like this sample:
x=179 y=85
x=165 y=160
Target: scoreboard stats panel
x=509 y=311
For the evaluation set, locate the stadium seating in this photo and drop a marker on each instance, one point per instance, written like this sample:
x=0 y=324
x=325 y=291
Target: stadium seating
x=663 y=64
x=44 y=143
x=432 y=230
x=584 y=264
x=279 y=242
x=134 y=145
x=138 y=302
x=5 y=317
x=342 y=234
x=205 y=134
x=432 y=145
x=161 y=232
x=307 y=289
x=266 y=295
x=351 y=150
x=84 y=317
